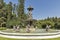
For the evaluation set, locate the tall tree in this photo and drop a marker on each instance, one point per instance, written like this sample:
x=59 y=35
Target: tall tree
x=1 y=3
x=14 y=8
x=21 y=14
x=20 y=7
x=9 y=10
x=2 y=13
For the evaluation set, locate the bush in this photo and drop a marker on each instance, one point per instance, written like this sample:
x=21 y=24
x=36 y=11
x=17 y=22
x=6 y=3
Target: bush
x=57 y=25
x=43 y=25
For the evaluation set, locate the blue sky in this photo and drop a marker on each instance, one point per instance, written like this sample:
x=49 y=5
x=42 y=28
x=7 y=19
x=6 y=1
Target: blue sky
x=42 y=8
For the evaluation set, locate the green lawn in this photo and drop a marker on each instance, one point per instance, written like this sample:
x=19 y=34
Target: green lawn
x=3 y=28
x=27 y=39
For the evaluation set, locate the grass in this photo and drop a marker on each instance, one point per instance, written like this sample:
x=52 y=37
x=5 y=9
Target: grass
x=1 y=38
x=2 y=28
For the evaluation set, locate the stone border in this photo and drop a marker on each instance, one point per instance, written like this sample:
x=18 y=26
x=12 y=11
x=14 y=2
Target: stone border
x=33 y=36
x=29 y=33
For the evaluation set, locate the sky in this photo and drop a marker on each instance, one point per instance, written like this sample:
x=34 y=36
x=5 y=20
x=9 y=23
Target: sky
x=42 y=8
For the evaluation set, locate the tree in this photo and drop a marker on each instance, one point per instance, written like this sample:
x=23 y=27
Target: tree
x=9 y=10
x=2 y=13
x=1 y=3
x=20 y=8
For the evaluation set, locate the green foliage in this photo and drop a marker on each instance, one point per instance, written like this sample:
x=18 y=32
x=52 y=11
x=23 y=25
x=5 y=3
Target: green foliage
x=38 y=24
x=53 y=21
x=6 y=16
x=20 y=7
x=57 y=25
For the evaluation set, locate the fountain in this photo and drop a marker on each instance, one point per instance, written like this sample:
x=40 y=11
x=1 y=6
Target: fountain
x=30 y=27
x=29 y=31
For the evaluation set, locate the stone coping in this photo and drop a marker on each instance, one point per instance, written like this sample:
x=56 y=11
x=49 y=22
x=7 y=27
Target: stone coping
x=30 y=33
x=30 y=37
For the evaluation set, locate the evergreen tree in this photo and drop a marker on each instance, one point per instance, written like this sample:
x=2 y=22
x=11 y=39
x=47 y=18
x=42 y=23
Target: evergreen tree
x=20 y=7
x=1 y=3
x=9 y=10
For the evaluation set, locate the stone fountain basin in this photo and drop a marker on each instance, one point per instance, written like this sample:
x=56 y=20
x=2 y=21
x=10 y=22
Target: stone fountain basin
x=38 y=32
x=29 y=34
